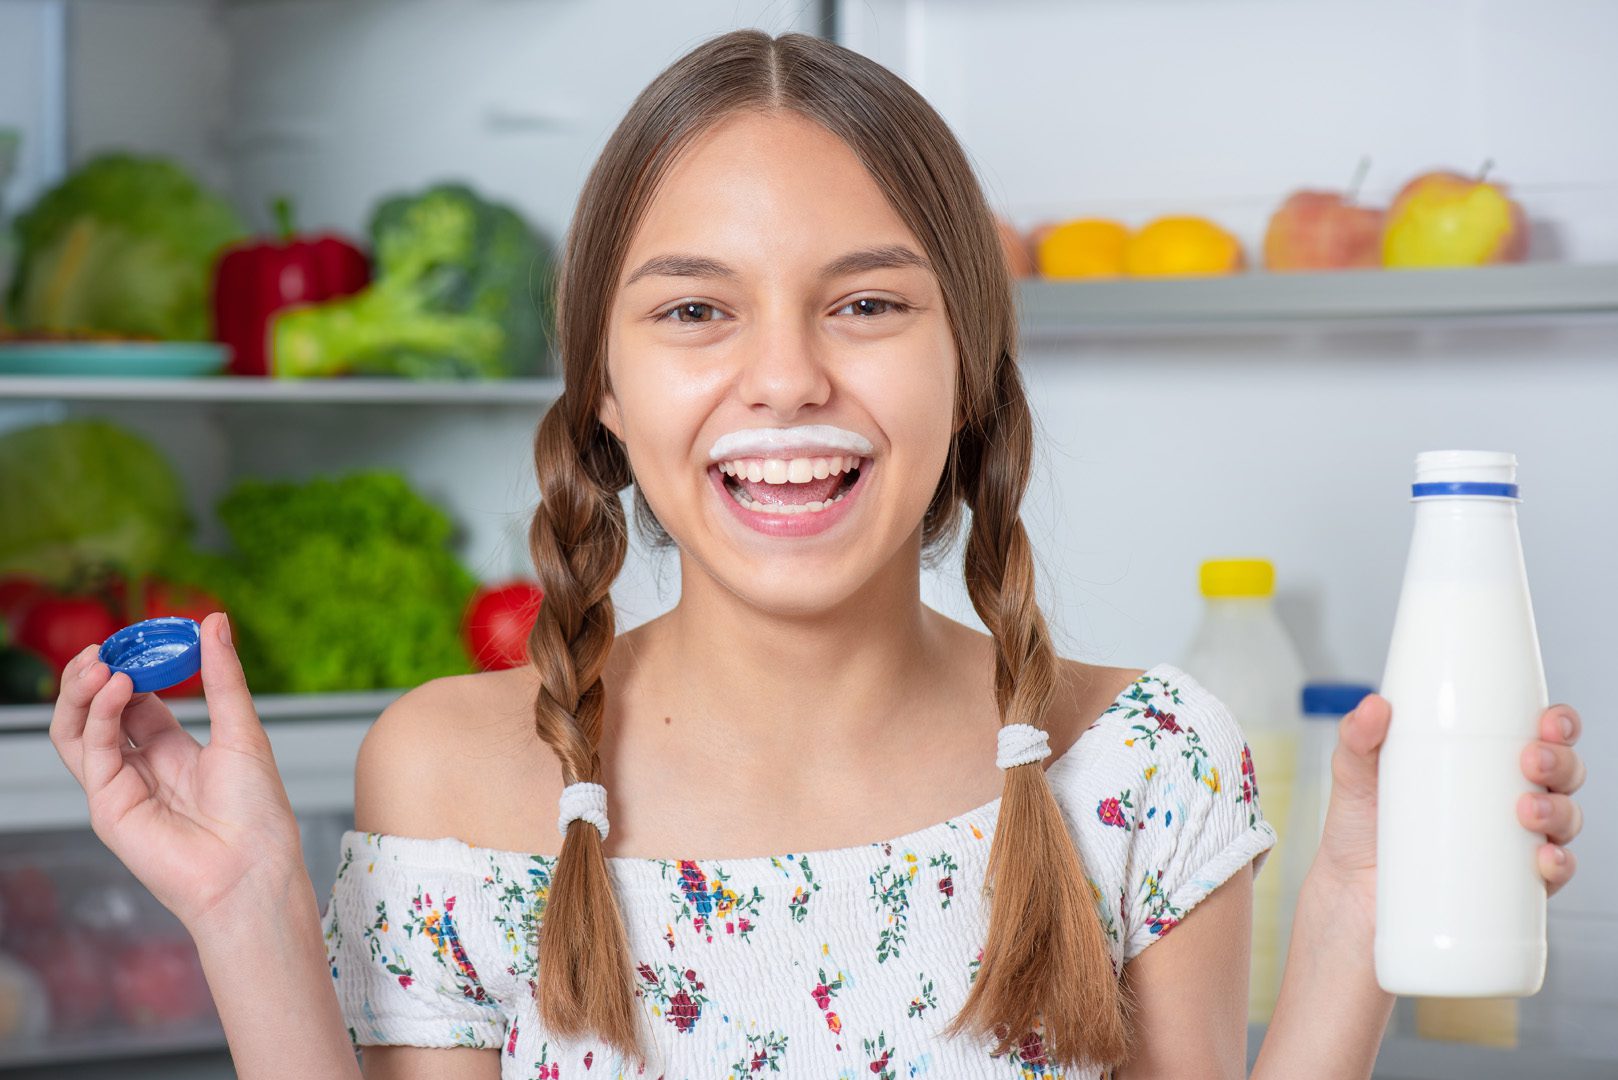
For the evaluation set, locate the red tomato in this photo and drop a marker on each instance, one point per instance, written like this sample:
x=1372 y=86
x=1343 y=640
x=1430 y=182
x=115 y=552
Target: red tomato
x=159 y=982
x=18 y=592
x=57 y=627
x=167 y=598
x=497 y=623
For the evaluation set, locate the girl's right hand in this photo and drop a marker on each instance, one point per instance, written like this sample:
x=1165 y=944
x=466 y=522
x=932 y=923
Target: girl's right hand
x=198 y=825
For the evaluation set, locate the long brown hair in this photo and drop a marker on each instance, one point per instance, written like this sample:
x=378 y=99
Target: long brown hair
x=1045 y=960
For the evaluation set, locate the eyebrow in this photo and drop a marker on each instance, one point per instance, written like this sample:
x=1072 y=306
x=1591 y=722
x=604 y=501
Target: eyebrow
x=891 y=256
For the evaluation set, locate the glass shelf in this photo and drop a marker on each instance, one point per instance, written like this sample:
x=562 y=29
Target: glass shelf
x=1531 y=292
x=236 y=389
x=272 y=708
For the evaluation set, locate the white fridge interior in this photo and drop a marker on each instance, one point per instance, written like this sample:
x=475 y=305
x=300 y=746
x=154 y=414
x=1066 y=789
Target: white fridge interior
x=1165 y=438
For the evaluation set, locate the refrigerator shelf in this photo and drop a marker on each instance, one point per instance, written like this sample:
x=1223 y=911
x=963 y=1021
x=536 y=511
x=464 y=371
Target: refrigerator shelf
x=1259 y=300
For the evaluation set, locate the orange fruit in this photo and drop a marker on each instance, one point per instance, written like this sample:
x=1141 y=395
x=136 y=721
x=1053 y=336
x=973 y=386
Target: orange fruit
x=1182 y=244
x=1082 y=248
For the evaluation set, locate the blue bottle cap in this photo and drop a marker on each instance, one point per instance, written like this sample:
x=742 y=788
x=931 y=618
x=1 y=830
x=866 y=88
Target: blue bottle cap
x=155 y=653
x=1323 y=700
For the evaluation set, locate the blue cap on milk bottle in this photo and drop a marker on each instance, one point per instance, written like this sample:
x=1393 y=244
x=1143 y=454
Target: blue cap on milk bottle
x=155 y=653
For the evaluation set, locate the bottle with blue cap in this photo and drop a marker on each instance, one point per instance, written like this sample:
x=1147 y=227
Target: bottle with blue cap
x=1242 y=654
x=1460 y=904
x=1323 y=705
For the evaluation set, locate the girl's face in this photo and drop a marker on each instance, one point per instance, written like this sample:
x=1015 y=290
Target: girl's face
x=783 y=371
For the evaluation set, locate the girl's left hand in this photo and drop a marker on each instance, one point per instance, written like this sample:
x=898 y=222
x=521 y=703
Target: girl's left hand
x=1348 y=845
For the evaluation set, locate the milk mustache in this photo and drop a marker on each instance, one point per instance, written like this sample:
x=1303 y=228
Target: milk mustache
x=1460 y=905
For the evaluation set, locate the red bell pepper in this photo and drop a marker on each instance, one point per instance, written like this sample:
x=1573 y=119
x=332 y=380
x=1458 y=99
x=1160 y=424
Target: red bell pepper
x=253 y=281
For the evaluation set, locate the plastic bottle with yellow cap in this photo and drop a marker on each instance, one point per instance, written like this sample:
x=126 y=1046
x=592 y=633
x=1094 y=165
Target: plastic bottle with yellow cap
x=1241 y=652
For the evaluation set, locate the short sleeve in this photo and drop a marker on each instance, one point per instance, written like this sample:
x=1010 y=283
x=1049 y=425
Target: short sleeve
x=396 y=935
x=1196 y=814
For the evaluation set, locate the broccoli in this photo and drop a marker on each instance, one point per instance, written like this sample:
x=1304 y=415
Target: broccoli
x=126 y=245
x=461 y=289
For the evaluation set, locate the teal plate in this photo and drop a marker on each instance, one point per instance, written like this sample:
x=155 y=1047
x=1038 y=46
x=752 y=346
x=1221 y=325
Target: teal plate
x=113 y=358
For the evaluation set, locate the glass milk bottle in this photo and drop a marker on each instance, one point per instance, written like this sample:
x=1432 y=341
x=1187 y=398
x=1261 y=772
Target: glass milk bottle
x=1460 y=905
x=1242 y=655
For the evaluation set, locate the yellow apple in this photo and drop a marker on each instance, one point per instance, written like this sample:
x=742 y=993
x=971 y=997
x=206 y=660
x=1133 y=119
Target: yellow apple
x=1442 y=218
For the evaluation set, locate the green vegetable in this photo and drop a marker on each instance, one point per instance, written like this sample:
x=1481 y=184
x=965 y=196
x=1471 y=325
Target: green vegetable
x=346 y=583
x=87 y=495
x=461 y=289
x=126 y=246
x=25 y=678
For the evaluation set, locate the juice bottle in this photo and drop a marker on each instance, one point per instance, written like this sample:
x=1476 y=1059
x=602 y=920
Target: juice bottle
x=1460 y=905
x=1324 y=704
x=1241 y=653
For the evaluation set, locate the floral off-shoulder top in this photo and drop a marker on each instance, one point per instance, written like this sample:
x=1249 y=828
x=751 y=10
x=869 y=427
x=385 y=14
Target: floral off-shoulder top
x=841 y=963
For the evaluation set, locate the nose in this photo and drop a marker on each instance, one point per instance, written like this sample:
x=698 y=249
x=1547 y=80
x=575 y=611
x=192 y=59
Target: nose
x=784 y=370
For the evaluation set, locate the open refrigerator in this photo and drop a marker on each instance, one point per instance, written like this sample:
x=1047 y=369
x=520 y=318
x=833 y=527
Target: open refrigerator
x=339 y=103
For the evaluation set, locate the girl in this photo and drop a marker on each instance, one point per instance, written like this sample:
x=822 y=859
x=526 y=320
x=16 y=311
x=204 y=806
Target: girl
x=786 y=319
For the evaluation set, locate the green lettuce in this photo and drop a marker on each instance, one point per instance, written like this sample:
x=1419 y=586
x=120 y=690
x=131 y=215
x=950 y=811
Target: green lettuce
x=84 y=495
x=125 y=246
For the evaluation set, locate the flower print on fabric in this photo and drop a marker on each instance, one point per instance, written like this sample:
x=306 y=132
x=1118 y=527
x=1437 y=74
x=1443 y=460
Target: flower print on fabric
x=824 y=990
x=798 y=902
x=878 y=1051
x=438 y=925
x=946 y=883
x=855 y=955
x=519 y=908
x=677 y=994
x=764 y=1051
x=1155 y=725
x=1161 y=916
x=924 y=1000
x=707 y=904
x=1138 y=701
x=1249 y=792
x=1029 y=1059
x=1111 y=810
x=890 y=890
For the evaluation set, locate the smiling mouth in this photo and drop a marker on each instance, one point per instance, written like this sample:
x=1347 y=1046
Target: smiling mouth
x=812 y=496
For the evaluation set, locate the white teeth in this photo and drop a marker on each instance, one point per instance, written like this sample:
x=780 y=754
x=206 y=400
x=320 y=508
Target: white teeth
x=788 y=471
x=782 y=508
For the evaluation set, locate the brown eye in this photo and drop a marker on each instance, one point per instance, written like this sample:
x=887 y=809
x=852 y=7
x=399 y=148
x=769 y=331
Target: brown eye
x=683 y=309
x=893 y=305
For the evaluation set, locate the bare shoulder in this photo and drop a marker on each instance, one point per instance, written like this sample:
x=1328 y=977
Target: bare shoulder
x=1084 y=692
x=441 y=759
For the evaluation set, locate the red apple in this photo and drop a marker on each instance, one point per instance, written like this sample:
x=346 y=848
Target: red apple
x=1323 y=230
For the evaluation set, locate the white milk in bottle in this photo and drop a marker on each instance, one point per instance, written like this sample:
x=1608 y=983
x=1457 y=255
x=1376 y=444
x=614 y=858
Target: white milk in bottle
x=1460 y=905
x=1241 y=654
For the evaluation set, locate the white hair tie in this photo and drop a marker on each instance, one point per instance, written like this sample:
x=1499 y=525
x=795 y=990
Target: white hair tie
x=586 y=801
x=1021 y=744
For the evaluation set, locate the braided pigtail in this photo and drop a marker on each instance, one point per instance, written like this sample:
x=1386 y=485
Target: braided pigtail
x=1045 y=959
x=578 y=539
